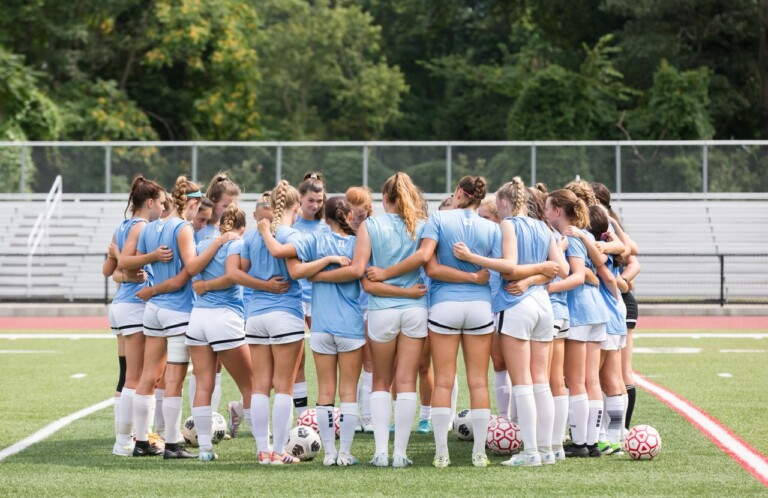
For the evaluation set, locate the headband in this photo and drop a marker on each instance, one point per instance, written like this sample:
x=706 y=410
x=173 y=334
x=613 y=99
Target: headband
x=194 y=194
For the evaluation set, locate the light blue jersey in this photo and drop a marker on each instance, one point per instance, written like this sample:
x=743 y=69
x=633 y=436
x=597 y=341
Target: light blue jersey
x=533 y=238
x=483 y=237
x=126 y=293
x=209 y=231
x=617 y=325
x=306 y=227
x=391 y=243
x=165 y=233
x=223 y=298
x=335 y=306
x=585 y=305
x=265 y=267
x=559 y=300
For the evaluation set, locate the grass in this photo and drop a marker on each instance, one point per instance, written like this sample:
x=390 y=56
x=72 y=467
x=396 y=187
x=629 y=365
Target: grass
x=76 y=461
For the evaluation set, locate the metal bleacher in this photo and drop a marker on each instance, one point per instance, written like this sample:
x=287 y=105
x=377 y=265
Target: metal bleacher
x=680 y=240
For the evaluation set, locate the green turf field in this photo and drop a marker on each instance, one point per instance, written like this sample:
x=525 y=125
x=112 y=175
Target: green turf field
x=38 y=388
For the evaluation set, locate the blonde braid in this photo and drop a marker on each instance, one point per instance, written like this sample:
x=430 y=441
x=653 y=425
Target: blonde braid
x=278 y=200
x=519 y=208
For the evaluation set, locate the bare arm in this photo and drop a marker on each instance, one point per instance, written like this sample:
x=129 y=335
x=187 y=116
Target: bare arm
x=575 y=279
x=356 y=269
x=388 y=290
x=312 y=269
x=132 y=259
x=504 y=265
x=519 y=287
x=275 y=285
x=193 y=262
x=171 y=285
x=275 y=248
x=597 y=257
x=419 y=258
x=590 y=278
x=110 y=263
x=632 y=269
x=202 y=287
x=446 y=273
x=608 y=280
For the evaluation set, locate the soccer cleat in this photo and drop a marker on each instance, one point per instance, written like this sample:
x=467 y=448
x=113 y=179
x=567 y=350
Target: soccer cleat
x=265 y=457
x=176 y=452
x=594 y=452
x=548 y=458
x=425 y=427
x=616 y=449
x=480 y=460
x=207 y=456
x=577 y=451
x=125 y=451
x=329 y=460
x=524 y=460
x=234 y=408
x=284 y=459
x=143 y=448
x=559 y=454
x=401 y=461
x=358 y=427
x=156 y=440
x=441 y=461
x=380 y=460
x=345 y=460
x=604 y=447
x=392 y=428
x=367 y=424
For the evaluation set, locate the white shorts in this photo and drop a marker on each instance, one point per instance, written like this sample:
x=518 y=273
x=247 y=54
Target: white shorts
x=614 y=342
x=161 y=322
x=561 y=328
x=126 y=318
x=277 y=327
x=325 y=343
x=529 y=320
x=307 y=308
x=466 y=317
x=385 y=325
x=588 y=333
x=219 y=328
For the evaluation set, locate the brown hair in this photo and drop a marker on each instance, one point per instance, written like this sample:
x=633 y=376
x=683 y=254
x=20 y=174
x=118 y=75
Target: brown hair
x=514 y=192
x=313 y=182
x=446 y=203
x=181 y=188
x=282 y=197
x=221 y=185
x=233 y=218
x=583 y=191
x=406 y=198
x=475 y=188
x=206 y=203
x=603 y=195
x=337 y=209
x=141 y=191
x=167 y=204
x=574 y=208
x=360 y=196
x=534 y=202
x=541 y=187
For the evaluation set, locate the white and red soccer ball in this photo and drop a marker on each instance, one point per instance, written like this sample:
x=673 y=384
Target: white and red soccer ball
x=309 y=419
x=504 y=437
x=643 y=442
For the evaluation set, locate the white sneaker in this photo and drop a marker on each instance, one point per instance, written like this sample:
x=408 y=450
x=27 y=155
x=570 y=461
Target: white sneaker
x=548 y=458
x=559 y=454
x=125 y=451
x=236 y=415
x=207 y=456
x=367 y=424
x=480 y=460
x=380 y=460
x=329 y=460
x=345 y=460
x=401 y=461
x=524 y=460
x=441 y=461
x=358 y=427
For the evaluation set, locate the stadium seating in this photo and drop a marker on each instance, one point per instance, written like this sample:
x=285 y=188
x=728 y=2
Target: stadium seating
x=679 y=240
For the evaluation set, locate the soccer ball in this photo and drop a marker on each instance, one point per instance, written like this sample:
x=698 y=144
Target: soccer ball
x=643 y=442
x=218 y=430
x=462 y=425
x=495 y=419
x=304 y=443
x=503 y=437
x=337 y=421
x=308 y=419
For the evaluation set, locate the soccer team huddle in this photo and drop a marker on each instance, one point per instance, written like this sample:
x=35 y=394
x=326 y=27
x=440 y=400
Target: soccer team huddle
x=538 y=283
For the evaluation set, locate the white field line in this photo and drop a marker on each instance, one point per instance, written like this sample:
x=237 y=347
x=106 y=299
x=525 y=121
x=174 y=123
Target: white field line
x=74 y=337
x=749 y=458
x=26 y=351
x=52 y=428
x=702 y=335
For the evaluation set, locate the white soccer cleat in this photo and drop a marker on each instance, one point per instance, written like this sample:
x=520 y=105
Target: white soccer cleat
x=524 y=460
x=401 y=461
x=367 y=425
x=346 y=460
x=125 y=451
x=441 y=461
x=207 y=456
x=380 y=460
x=480 y=460
x=236 y=415
x=559 y=454
x=329 y=460
x=548 y=458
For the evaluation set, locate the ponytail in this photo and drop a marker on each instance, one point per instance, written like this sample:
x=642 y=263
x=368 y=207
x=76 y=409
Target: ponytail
x=406 y=199
x=141 y=191
x=473 y=187
x=514 y=192
x=233 y=218
x=282 y=197
x=221 y=185
x=575 y=209
x=337 y=209
x=183 y=190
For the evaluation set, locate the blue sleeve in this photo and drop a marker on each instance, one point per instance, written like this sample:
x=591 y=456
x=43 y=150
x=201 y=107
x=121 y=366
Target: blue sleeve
x=305 y=247
x=142 y=245
x=432 y=228
x=496 y=242
x=576 y=249
x=235 y=247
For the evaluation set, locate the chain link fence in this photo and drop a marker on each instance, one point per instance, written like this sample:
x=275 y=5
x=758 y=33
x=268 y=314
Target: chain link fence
x=626 y=167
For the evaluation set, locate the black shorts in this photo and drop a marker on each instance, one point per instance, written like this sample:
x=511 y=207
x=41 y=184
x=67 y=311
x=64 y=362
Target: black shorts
x=631 y=303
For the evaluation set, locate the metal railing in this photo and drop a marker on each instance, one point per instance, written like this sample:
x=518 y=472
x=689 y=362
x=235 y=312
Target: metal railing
x=41 y=229
x=662 y=167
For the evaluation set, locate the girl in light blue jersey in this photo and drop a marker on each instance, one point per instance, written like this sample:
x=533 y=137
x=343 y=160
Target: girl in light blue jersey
x=126 y=311
x=221 y=192
x=215 y=330
x=201 y=219
x=336 y=337
x=588 y=316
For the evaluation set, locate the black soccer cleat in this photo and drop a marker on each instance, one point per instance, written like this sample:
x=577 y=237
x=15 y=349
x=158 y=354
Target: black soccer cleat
x=594 y=451
x=143 y=448
x=174 y=452
x=577 y=451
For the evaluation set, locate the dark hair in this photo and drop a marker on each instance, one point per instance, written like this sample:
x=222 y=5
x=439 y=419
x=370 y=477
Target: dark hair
x=337 y=209
x=313 y=182
x=445 y=202
x=206 y=203
x=534 y=201
x=141 y=191
x=603 y=196
x=475 y=188
x=599 y=226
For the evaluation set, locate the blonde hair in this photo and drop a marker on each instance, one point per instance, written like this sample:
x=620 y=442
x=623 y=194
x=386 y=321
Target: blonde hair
x=221 y=185
x=283 y=197
x=489 y=203
x=233 y=218
x=181 y=188
x=574 y=208
x=406 y=198
x=514 y=192
x=583 y=191
x=360 y=196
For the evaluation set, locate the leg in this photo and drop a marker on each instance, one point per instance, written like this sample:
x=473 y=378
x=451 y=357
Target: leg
x=501 y=382
x=382 y=357
x=350 y=365
x=575 y=373
x=594 y=392
x=261 y=365
x=426 y=385
x=477 y=356
x=545 y=405
x=559 y=393
x=204 y=362
x=517 y=353
x=326 y=365
x=408 y=355
x=285 y=358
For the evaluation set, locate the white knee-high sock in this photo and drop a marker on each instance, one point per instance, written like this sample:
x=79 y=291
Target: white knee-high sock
x=480 y=419
x=192 y=390
x=545 y=416
x=425 y=412
x=441 y=421
x=594 y=420
x=381 y=417
x=347 y=424
x=405 y=412
x=260 y=421
x=216 y=394
x=526 y=412
x=126 y=416
x=625 y=400
x=513 y=410
x=143 y=406
x=503 y=389
x=246 y=414
x=602 y=435
x=614 y=408
x=116 y=415
x=560 y=421
x=578 y=417
x=366 y=384
x=282 y=409
x=172 y=414
x=300 y=397
x=159 y=422
x=454 y=396
x=327 y=429
x=203 y=416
